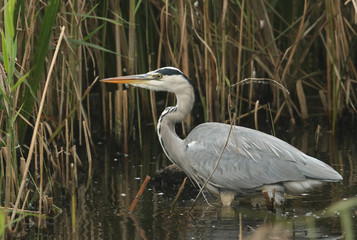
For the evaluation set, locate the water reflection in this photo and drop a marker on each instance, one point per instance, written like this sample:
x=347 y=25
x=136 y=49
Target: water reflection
x=102 y=211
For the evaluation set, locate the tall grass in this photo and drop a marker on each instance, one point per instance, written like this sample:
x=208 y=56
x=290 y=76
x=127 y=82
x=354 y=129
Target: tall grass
x=44 y=85
x=307 y=47
x=228 y=41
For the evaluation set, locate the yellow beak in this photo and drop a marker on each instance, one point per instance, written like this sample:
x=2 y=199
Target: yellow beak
x=131 y=79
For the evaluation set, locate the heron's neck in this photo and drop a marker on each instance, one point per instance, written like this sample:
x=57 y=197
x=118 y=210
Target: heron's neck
x=168 y=138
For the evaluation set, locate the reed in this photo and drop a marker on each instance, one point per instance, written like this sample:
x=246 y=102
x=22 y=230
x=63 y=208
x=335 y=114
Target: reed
x=118 y=116
x=110 y=112
x=2 y=224
x=302 y=100
x=345 y=208
x=29 y=37
x=216 y=43
x=125 y=121
x=73 y=198
x=259 y=49
x=256 y=115
x=89 y=155
x=41 y=173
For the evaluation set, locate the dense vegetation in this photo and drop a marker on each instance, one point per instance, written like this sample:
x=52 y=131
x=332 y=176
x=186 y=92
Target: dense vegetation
x=292 y=58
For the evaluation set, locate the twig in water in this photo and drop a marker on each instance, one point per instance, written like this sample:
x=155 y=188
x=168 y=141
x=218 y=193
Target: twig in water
x=138 y=195
x=178 y=194
x=137 y=224
x=240 y=227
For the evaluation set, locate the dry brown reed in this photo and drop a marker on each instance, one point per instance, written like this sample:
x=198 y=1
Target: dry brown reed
x=309 y=50
x=256 y=114
x=125 y=121
x=33 y=140
x=302 y=100
x=216 y=43
x=138 y=195
x=73 y=197
x=89 y=155
x=178 y=194
x=44 y=108
x=41 y=172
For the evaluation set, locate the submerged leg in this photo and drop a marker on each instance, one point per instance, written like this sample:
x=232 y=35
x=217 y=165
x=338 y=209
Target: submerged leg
x=269 y=201
x=227 y=197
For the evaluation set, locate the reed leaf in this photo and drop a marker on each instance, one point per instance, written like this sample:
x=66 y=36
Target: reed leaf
x=5 y=52
x=4 y=95
x=18 y=83
x=216 y=44
x=40 y=53
x=91 y=45
x=84 y=16
x=2 y=224
x=9 y=16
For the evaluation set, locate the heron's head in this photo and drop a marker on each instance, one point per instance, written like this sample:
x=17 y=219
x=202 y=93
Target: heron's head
x=168 y=79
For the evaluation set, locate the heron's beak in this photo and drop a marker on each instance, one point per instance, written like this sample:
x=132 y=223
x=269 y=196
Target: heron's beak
x=131 y=79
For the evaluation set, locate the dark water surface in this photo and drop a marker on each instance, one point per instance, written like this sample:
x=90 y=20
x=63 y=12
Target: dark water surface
x=102 y=212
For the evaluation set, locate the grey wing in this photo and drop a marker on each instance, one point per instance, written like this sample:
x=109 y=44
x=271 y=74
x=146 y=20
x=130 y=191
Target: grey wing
x=251 y=158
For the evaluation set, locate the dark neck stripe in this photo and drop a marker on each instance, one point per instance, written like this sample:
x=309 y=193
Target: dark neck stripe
x=167 y=111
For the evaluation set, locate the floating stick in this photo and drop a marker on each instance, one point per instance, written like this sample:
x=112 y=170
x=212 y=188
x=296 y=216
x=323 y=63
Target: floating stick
x=138 y=195
x=137 y=225
x=178 y=194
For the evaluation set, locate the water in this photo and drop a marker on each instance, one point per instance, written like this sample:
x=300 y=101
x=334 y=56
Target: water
x=102 y=212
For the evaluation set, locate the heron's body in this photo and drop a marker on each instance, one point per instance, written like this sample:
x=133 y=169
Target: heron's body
x=252 y=161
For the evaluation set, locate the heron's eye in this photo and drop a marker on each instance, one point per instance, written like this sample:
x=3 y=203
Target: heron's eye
x=158 y=76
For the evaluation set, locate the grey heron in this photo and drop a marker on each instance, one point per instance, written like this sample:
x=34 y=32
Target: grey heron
x=251 y=162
